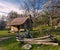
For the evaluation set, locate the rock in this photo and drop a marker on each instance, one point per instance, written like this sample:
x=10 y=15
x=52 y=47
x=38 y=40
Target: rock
x=27 y=46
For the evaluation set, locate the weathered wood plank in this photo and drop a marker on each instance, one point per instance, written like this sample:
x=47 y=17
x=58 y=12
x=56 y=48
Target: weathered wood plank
x=42 y=40
x=46 y=43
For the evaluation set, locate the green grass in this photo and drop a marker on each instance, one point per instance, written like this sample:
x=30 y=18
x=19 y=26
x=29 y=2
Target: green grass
x=4 y=33
x=12 y=44
x=45 y=47
x=40 y=31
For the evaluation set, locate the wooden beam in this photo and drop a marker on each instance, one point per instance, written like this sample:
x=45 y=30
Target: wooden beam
x=32 y=41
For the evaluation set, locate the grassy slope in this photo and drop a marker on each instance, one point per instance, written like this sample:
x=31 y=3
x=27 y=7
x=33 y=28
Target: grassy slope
x=4 y=33
x=12 y=44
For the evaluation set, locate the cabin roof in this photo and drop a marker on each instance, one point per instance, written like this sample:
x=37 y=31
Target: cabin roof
x=18 y=21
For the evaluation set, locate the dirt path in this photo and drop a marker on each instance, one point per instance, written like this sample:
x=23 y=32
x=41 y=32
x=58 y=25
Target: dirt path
x=4 y=38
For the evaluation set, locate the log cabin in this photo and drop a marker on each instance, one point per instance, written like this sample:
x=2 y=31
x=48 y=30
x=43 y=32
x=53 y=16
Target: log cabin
x=20 y=23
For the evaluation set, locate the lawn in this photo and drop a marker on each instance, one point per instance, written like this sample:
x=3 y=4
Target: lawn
x=4 y=33
x=12 y=44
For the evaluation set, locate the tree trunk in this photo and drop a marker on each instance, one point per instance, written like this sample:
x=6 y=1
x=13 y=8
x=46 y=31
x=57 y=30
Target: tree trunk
x=50 y=21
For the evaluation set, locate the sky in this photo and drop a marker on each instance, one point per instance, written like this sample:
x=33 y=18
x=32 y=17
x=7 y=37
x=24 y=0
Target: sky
x=12 y=5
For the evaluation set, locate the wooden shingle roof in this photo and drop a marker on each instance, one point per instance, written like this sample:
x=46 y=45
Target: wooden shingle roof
x=18 y=21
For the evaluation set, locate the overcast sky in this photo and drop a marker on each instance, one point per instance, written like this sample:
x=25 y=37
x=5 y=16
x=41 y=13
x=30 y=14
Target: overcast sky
x=11 y=5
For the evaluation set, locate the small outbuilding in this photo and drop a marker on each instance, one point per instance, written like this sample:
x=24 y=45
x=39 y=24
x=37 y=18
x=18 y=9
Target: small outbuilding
x=20 y=23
